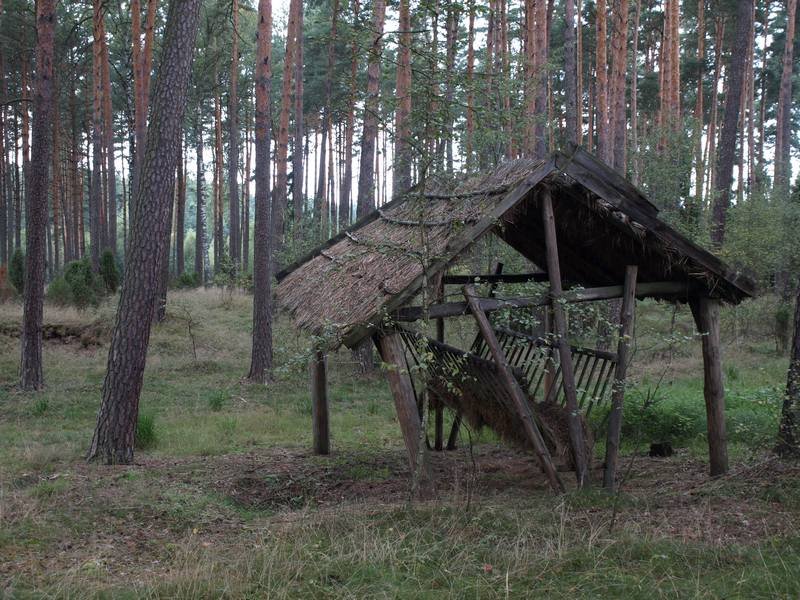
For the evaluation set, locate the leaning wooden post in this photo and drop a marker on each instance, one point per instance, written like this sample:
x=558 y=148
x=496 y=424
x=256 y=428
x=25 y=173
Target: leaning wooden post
x=706 y=316
x=513 y=388
x=390 y=347
x=565 y=353
x=438 y=443
x=318 y=370
x=618 y=394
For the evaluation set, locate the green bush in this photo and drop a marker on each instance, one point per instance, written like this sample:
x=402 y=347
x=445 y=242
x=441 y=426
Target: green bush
x=146 y=436
x=59 y=292
x=109 y=272
x=187 y=280
x=16 y=271
x=83 y=284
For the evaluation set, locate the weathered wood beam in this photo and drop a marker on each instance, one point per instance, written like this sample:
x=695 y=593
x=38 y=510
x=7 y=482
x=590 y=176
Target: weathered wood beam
x=438 y=442
x=514 y=390
x=576 y=434
x=390 y=347
x=706 y=316
x=618 y=391
x=495 y=278
x=318 y=370
x=658 y=289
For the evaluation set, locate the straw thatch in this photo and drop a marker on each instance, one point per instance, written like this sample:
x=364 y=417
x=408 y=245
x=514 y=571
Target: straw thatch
x=603 y=223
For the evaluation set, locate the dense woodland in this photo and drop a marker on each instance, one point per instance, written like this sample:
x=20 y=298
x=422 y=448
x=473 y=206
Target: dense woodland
x=114 y=114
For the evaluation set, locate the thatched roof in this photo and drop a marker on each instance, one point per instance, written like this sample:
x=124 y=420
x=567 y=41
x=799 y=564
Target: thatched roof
x=603 y=223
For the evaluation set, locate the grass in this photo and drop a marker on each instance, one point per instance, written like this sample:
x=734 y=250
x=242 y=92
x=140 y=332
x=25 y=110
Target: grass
x=226 y=501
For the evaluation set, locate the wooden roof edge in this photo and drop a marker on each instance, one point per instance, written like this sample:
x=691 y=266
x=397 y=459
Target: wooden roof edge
x=453 y=249
x=601 y=179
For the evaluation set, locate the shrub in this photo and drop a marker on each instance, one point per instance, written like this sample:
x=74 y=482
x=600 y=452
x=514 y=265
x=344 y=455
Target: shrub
x=83 y=284
x=188 y=280
x=146 y=436
x=59 y=292
x=16 y=271
x=109 y=272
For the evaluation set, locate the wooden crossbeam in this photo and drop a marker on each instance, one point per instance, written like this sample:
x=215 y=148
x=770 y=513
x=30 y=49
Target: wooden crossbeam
x=659 y=289
x=494 y=278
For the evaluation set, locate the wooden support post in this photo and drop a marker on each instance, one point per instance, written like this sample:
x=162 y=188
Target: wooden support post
x=390 y=347
x=318 y=369
x=515 y=391
x=565 y=354
x=706 y=316
x=626 y=319
x=438 y=443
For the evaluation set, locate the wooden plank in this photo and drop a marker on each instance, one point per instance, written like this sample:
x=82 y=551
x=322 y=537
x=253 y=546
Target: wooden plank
x=454 y=248
x=320 y=416
x=390 y=347
x=626 y=320
x=575 y=426
x=706 y=316
x=515 y=391
x=658 y=289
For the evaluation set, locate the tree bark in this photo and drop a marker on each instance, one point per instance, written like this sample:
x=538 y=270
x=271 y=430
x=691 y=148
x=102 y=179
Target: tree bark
x=298 y=199
x=730 y=124
x=280 y=193
x=31 y=376
x=261 y=356
x=97 y=199
x=113 y=440
x=108 y=143
x=366 y=176
x=322 y=180
x=401 y=180
x=570 y=74
x=346 y=183
x=601 y=87
x=180 y=213
x=201 y=259
x=234 y=240
x=619 y=68
x=783 y=131
x=789 y=431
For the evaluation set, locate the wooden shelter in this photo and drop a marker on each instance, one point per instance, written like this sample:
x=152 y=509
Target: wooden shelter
x=592 y=234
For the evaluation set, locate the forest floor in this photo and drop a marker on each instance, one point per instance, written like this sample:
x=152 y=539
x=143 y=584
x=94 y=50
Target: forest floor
x=227 y=500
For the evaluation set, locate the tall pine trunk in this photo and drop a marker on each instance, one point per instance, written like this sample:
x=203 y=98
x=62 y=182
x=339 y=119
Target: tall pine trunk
x=366 y=176
x=113 y=440
x=261 y=356
x=322 y=180
x=401 y=180
x=234 y=241
x=31 y=376
x=298 y=199
x=346 y=183
x=783 y=131
x=730 y=124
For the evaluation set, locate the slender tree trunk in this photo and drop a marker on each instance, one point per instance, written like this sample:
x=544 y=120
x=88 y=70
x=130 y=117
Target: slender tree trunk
x=298 y=199
x=202 y=266
x=234 y=240
x=619 y=67
x=470 y=117
x=321 y=193
x=261 y=357
x=246 y=195
x=727 y=145
x=31 y=376
x=636 y=170
x=570 y=75
x=579 y=77
x=180 y=213
x=219 y=224
x=401 y=180
x=366 y=176
x=346 y=184
x=699 y=172
x=280 y=193
x=789 y=431
x=113 y=440
x=55 y=187
x=108 y=117
x=96 y=199
x=783 y=131
x=604 y=139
